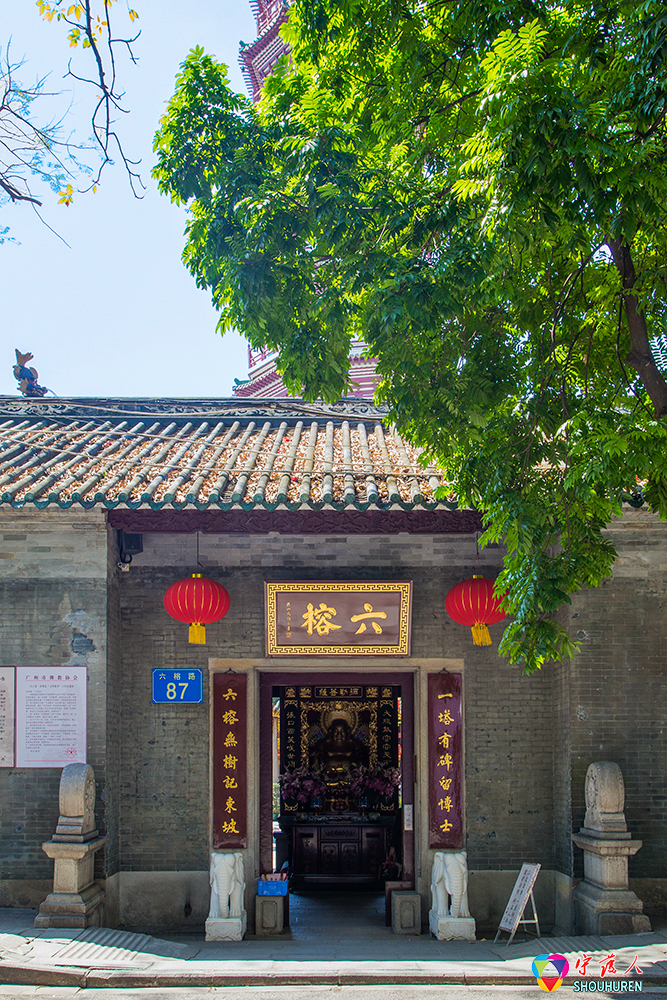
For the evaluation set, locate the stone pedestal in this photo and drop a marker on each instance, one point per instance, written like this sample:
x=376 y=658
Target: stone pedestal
x=389 y=888
x=608 y=911
x=406 y=912
x=451 y=928
x=603 y=902
x=269 y=914
x=76 y=900
x=226 y=928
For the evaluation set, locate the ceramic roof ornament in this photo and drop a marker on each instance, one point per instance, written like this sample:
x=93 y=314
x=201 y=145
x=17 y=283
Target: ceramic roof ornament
x=27 y=377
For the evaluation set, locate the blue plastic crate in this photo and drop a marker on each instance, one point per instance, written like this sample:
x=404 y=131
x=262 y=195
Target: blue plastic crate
x=265 y=888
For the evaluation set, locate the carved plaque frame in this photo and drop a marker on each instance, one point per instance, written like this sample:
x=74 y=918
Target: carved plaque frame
x=286 y=603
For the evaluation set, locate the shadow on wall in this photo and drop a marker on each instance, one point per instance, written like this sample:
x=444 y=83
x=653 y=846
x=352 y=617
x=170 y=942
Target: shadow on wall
x=489 y=893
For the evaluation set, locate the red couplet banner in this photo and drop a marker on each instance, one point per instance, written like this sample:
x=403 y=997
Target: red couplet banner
x=230 y=764
x=445 y=757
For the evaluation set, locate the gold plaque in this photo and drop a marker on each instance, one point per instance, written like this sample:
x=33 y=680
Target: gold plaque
x=368 y=618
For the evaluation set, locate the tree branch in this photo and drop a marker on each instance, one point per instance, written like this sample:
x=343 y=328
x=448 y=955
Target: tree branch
x=27 y=148
x=14 y=192
x=640 y=357
x=95 y=33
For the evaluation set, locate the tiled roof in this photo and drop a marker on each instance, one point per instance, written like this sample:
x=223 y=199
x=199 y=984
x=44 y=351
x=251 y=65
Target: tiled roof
x=201 y=454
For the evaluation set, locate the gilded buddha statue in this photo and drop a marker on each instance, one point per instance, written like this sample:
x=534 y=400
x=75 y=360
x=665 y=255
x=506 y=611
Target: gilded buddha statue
x=336 y=753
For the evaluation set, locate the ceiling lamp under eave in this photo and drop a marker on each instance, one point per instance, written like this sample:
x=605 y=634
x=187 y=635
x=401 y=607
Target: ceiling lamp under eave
x=473 y=603
x=197 y=601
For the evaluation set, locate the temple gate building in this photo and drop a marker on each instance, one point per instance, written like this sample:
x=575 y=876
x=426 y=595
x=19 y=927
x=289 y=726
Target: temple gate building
x=317 y=520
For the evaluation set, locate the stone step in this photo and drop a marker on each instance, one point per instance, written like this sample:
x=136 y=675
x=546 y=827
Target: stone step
x=106 y=947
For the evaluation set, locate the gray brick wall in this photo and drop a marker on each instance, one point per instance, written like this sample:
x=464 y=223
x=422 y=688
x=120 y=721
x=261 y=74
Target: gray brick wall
x=164 y=770
x=618 y=686
x=53 y=601
x=562 y=791
x=529 y=740
x=509 y=718
x=110 y=858
x=26 y=820
x=509 y=772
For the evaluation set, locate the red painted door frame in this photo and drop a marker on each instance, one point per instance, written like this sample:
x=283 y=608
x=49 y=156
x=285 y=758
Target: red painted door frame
x=329 y=675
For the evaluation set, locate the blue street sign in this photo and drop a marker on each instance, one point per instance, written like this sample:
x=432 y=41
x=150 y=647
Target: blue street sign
x=171 y=687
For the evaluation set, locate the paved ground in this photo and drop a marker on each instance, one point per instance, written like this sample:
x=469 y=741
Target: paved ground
x=335 y=948
x=445 y=992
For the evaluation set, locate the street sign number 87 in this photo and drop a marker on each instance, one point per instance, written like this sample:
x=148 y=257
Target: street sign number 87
x=171 y=686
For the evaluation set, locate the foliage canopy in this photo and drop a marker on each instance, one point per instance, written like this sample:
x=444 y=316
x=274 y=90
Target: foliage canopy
x=478 y=188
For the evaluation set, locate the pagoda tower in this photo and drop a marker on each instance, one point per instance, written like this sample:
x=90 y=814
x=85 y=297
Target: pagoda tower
x=258 y=60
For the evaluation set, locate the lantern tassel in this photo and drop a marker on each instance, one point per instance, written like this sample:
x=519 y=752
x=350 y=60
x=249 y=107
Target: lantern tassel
x=198 y=634
x=480 y=634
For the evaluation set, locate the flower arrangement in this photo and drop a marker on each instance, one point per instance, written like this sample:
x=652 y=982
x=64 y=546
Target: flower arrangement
x=383 y=780
x=302 y=784
x=358 y=777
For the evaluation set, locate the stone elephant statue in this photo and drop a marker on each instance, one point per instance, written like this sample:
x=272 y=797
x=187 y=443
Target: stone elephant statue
x=450 y=879
x=227 y=885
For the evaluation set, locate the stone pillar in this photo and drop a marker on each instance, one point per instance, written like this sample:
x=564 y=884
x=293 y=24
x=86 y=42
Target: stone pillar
x=76 y=900
x=603 y=903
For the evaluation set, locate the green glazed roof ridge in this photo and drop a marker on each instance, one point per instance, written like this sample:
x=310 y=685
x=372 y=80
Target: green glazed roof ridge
x=227 y=505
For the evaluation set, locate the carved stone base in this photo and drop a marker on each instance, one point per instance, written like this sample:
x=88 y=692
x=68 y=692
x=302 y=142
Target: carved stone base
x=451 y=928
x=226 y=928
x=269 y=914
x=406 y=912
x=72 y=909
x=76 y=901
x=608 y=911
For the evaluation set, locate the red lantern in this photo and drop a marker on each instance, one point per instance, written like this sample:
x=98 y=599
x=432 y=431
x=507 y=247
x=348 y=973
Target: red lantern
x=198 y=601
x=472 y=603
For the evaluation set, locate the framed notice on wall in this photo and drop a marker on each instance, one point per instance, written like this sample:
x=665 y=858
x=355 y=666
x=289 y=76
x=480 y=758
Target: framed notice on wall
x=6 y=717
x=50 y=716
x=329 y=618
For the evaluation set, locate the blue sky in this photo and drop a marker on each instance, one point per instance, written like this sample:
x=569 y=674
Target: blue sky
x=116 y=313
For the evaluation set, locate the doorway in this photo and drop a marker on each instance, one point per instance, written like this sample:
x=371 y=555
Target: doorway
x=337 y=739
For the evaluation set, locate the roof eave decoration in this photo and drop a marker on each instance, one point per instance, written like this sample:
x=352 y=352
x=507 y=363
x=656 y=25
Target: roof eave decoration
x=181 y=409
x=230 y=505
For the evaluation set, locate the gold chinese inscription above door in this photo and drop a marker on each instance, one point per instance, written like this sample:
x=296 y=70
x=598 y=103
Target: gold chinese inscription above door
x=329 y=618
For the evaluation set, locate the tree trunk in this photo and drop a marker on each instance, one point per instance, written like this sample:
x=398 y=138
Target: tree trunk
x=640 y=357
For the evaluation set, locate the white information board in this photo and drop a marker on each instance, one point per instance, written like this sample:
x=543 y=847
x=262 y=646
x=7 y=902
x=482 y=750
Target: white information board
x=50 y=716
x=6 y=717
x=517 y=902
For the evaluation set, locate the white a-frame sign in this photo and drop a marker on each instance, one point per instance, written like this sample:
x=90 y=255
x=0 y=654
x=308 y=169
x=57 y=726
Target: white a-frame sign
x=522 y=891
